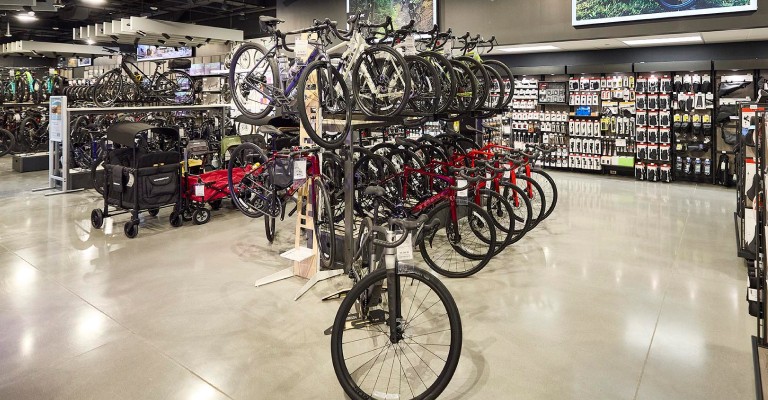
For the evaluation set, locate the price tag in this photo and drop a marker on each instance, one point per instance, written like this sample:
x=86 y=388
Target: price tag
x=410 y=46
x=752 y=294
x=301 y=50
x=200 y=190
x=405 y=250
x=507 y=174
x=300 y=169
x=462 y=183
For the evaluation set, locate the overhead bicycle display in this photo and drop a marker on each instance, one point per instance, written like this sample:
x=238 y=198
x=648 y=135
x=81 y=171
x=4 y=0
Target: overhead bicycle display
x=383 y=191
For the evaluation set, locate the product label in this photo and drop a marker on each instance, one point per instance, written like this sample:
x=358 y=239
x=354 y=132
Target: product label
x=405 y=250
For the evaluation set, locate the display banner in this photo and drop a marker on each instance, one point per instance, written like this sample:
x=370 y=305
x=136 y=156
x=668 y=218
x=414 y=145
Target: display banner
x=56 y=123
x=424 y=12
x=590 y=12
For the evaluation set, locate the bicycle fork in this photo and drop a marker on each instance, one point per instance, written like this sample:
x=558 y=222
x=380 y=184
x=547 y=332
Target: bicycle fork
x=393 y=290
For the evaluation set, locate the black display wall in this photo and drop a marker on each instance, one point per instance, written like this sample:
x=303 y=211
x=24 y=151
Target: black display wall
x=527 y=21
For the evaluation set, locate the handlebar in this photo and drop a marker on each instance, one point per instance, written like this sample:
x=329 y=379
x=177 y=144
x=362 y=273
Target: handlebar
x=407 y=226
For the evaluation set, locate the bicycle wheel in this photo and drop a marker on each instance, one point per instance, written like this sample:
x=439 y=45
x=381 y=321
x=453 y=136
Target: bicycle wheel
x=677 y=4
x=417 y=364
x=461 y=248
x=507 y=79
x=535 y=194
x=323 y=219
x=81 y=143
x=247 y=174
x=548 y=187
x=253 y=80
x=376 y=170
x=174 y=87
x=322 y=89
x=447 y=78
x=495 y=97
x=28 y=135
x=466 y=88
x=380 y=82
x=502 y=214
x=107 y=89
x=7 y=142
x=425 y=90
x=521 y=207
x=483 y=80
x=270 y=223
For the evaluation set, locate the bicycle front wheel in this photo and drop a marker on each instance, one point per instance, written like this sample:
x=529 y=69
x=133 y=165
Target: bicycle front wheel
x=108 y=88
x=460 y=248
x=7 y=141
x=420 y=361
x=322 y=88
x=253 y=77
x=548 y=187
x=381 y=82
x=322 y=216
x=248 y=182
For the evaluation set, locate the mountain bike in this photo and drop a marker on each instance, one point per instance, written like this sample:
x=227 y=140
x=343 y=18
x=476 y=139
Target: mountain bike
x=676 y=5
x=173 y=87
x=397 y=333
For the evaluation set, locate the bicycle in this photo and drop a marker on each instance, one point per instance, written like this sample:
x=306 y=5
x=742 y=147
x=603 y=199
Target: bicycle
x=174 y=87
x=397 y=333
x=269 y=183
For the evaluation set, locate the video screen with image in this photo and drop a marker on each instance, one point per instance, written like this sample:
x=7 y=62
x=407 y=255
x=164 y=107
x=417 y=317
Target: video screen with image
x=145 y=52
x=424 y=12
x=589 y=12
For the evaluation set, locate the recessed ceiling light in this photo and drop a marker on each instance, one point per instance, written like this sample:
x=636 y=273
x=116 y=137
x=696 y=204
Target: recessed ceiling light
x=153 y=8
x=667 y=40
x=90 y=41
x=94 y=2
x=26 y=17
x=531 y=49
x=55 y=28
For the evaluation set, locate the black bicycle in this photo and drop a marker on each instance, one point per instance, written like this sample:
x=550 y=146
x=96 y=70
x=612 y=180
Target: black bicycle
x=129 y=83
x=675 y=5
x=397 y=334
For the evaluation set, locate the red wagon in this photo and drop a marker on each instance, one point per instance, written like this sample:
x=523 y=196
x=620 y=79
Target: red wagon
x=209 y=187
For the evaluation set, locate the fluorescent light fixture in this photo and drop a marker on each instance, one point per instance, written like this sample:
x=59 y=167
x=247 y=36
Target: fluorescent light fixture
x=26 y=17
x=531 y=49
x=94 y=2
x=667 y=40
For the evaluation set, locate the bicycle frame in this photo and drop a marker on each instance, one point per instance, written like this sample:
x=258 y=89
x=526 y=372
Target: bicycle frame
x=285 y=88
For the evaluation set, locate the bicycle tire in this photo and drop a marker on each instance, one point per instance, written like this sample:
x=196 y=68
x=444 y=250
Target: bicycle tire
x=548 y=187
x=521 y=206
x=425 y=90
x=234 y=83
x=242 y=157
x=474 y=262
x=397 y=63
x=181 y=88
x=466 y=88
x=492 y=104
x=483 y=80
x=503 y=217
x=344 y=328
x=447 y=78
x=536 y=196
x=269 y=227
x=323 y=220
x=506 y=75
x=330 y=125
x=7 y=142
x=107 y=89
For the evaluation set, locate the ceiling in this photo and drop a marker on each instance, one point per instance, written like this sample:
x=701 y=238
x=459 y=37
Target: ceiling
x=55 y=24
x=737 y=35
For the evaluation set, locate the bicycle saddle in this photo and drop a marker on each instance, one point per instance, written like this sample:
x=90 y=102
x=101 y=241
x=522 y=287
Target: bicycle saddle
x=269 y=130
x=265 y=19
x=377 y=191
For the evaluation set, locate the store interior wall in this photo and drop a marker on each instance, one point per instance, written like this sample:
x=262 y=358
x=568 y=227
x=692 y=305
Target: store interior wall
x=525 y=21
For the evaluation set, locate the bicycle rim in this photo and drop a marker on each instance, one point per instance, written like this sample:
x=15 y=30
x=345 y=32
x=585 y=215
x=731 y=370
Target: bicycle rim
x=534 y=193
x=251 y=88
x=380 y=82
x=249 y=193
x=418 y=366
x=322 y=215
x=548 y=187
x=321 y=87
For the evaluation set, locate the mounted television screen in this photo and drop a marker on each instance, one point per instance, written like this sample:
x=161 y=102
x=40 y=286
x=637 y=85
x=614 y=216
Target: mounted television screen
x=590 y=12
x=84 y=61
x=145 y=52
x=424 y=12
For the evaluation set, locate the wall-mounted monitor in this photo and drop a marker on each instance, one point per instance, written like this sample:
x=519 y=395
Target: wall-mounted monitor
x=84 y=61
x=424 y=12
x=145 y=52
x=590 y=12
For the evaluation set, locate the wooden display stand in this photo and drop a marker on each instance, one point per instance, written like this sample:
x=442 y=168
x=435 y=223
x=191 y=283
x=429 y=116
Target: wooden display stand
x=305 y=251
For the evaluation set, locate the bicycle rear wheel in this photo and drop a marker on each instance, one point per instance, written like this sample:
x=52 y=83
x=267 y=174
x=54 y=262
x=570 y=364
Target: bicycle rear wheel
x=380 y=82
x=323 y=219
x=535 y=194
x=459 y=249
x=503 y=217
x=548 y=187
x=521 y=207
x=247 y=176
x=107 y=89
x=420 y=363
x=322 y=88
x=252 y=78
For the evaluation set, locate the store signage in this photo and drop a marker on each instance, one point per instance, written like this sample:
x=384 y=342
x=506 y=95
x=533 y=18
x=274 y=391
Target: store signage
x=146 y=52
x=424 y=12
x=553 y=92
x=590 y=12
x=56 y=123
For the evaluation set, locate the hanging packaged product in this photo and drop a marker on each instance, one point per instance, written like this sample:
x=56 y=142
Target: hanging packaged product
x=665 y=118
x=664 y=135
x=696 y=83
x=653 y=84
x=665 y=152
x=653 y=118
x=653 y=134
x=706 y=83
x=594 y=84
x=641 y=85
x=640 y=101
x=679 y=165
x=652 y=172
x=687 y=83
x=688 y=168
x=697 y=168
x=664 y=101
x=573 y=84
x=641 y=134
x=653 y=151
x=653 y=101
x=642 y=151
x=707 y=167
x=666 y=85
x=640 y=171
x=641 y=117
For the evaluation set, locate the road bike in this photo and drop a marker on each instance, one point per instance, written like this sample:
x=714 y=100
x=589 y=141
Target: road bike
x=129 y=82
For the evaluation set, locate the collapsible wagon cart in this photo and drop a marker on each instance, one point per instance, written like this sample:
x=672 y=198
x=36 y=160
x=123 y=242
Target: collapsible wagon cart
x=138 y=178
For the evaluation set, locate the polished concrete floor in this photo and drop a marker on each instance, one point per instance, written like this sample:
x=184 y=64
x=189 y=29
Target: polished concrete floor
x=630 y=290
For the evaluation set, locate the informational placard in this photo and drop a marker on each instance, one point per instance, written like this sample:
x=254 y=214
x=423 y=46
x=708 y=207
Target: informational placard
x=553 y=92
x=56 y=114
x=590 y=12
